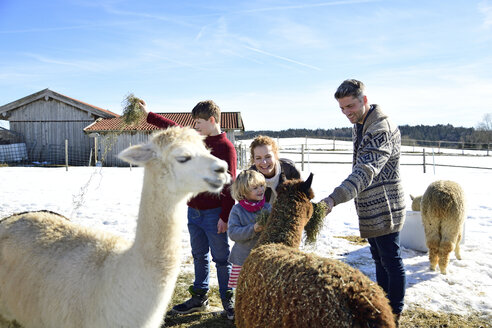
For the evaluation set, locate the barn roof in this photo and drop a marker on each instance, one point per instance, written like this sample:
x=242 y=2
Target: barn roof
x=46 y=94
x=228 y=121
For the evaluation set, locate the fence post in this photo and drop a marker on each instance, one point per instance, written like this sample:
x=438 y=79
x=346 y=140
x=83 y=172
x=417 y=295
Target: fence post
x=90 y=158
x=95 y=151
x=488 y=146
x=241 y=156
x=66 y=154
x=246 y=161
x=334 y=143
x=302 y=157
x=423 y=154
x=130 y=163
x=462 y=148
x=439 y=147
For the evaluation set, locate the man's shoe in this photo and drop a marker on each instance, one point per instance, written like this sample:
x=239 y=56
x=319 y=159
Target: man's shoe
x=397 y=319
x=197 y=303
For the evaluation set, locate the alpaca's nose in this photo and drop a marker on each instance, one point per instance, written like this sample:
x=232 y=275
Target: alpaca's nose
x=220 y=169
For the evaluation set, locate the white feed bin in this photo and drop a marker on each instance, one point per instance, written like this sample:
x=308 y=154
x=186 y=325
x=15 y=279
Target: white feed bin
x=413 y=235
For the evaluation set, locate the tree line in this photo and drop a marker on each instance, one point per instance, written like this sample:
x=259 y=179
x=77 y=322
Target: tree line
x=417 y=135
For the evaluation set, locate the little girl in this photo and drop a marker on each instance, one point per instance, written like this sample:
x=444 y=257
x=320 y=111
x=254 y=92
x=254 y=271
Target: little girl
x=249 y=191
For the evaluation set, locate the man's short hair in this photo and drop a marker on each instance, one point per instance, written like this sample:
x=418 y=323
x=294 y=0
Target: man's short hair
x=205 y=110
x=352 y=88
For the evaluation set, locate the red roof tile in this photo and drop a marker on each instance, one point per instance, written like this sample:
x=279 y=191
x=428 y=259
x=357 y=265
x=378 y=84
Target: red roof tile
x=228 y=121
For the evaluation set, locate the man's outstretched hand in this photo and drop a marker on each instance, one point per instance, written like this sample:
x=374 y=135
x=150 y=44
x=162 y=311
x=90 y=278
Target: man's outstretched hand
x=330 y=203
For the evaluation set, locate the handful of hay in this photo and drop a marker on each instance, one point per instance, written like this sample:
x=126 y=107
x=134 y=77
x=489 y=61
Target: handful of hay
x=262 y=217
x=313 y=227
x=131 y=110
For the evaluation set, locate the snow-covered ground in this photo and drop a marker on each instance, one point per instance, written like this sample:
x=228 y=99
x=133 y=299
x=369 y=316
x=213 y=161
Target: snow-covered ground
x=107 y=198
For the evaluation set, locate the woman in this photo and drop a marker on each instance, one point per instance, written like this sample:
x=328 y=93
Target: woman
x=264 y=157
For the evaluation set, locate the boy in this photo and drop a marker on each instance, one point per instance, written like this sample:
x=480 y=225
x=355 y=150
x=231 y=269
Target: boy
x=207 y=214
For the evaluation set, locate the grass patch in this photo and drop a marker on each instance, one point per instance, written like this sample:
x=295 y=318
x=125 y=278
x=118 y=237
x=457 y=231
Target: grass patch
x=414 y=317
x=211 y=319
x=354 y=239
x=418 y=317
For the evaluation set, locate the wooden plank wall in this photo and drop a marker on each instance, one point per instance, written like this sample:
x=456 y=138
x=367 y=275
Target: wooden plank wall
x=111 y=144
x=45 y=126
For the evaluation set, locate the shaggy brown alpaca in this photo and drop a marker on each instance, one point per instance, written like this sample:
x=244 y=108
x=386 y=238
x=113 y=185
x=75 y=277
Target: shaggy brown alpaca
x=280 y=286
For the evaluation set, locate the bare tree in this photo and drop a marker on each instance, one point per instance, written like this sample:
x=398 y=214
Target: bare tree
x=483 y=131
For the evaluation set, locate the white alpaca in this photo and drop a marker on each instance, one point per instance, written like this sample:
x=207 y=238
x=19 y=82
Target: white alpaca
x=54 y=273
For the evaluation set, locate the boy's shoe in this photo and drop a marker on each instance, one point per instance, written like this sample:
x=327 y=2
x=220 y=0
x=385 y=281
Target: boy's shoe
x=229 y=313
x=197 y=303
x=228 y=304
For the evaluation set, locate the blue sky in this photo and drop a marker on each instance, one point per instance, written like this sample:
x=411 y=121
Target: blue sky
x=277 y=62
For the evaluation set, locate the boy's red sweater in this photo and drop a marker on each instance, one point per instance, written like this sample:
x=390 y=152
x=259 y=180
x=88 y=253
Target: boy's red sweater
x=221 y=148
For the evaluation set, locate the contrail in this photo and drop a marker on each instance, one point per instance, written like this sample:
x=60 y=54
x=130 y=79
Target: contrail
x=301 y=6
x=282 y=58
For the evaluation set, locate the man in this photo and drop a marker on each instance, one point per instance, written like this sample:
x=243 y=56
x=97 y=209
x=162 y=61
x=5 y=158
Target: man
x=375 y=186
x=208 y=214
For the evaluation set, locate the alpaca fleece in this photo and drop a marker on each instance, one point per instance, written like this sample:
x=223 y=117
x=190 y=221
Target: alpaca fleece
x=280 y=286
x=54 y=273
x=416 y=203
x=289 y=288
x=443 y=216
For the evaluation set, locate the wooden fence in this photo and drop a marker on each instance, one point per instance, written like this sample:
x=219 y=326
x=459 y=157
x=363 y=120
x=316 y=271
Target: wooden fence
x=424 y=158
x=339 y=151
x=439 y=145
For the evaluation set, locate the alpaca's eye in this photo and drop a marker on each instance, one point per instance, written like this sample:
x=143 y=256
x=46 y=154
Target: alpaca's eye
x=183 y=159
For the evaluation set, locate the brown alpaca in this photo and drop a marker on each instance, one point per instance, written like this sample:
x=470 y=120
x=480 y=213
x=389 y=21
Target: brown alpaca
x=280 y=286
x=443 y=216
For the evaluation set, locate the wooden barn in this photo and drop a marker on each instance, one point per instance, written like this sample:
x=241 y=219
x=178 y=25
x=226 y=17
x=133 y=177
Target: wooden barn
x=51 y=126
x=112 y=135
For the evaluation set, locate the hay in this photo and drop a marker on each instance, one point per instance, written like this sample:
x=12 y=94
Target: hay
x=132 y=113
x=419 y=317
x=262 y=217
x=315 y=223
x=354 y=239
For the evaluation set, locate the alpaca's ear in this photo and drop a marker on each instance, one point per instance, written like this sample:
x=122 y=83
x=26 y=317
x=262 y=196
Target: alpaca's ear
x=306 y=185
x=411 y=197
x=138 y=155
x=281 y=181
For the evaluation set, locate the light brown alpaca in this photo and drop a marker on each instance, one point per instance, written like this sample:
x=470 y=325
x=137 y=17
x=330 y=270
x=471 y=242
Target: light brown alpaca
x=54 y=273
x=416 y=202
x=280 y=286
x=443 y=216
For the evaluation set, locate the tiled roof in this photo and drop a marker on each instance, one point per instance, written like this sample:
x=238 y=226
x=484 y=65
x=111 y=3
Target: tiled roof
x=228 y=121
